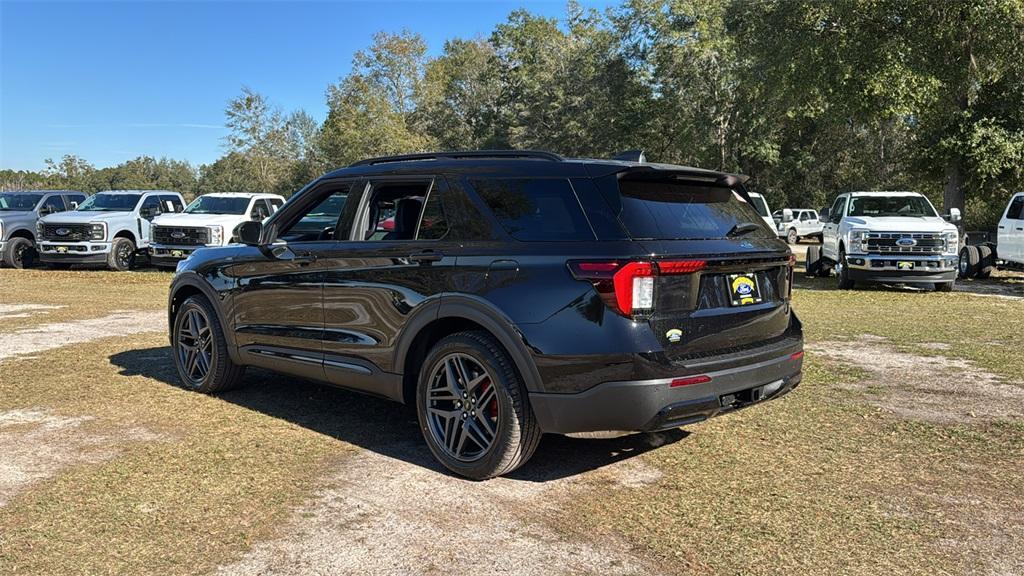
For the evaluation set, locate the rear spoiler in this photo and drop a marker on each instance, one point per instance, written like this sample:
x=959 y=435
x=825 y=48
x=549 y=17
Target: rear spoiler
x=696 y=175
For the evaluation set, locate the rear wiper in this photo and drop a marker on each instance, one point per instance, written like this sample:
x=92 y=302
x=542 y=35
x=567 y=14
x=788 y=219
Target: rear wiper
x=743 y=228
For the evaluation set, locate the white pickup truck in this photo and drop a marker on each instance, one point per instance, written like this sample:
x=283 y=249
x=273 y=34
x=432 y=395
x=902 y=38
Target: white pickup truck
x=1008 y=251
x=210 y=220
x=889 y=237
x=796 y=223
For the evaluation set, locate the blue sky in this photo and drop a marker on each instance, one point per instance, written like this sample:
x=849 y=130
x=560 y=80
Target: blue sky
x=110 y=81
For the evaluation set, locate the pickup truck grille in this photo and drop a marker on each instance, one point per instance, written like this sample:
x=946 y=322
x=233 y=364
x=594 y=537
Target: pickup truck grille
x=905 y=243
x=181 y=235
x=67 y=232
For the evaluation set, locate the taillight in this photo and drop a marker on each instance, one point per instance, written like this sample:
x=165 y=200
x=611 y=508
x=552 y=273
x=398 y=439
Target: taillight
x=628 y=287
x=790 y=275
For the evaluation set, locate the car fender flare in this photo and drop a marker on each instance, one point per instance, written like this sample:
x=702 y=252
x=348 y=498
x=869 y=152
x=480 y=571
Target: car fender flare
x=481 y=312
x=193 y=280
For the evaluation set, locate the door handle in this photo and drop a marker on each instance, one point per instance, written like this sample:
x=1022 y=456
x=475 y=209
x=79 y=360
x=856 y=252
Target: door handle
x=426 y=256
x=304 y=258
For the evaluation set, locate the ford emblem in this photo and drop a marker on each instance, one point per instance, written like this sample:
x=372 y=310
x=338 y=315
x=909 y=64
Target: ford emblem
x=63 y=231
x=177 y=235
x=746 y=244
x=906 y=242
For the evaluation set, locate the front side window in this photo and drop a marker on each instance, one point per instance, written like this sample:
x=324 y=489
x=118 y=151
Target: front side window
x=759 y=205
x=838 y=209
x=535 y=210
x=320 y=221
x=882 y=206
x=53 y=204
x=110 y=203
x=218 y=205
x=1016 y=210
x=260 y=211
x=805 y=216
x=76 y=198
x=19 y=202
x=171 y=203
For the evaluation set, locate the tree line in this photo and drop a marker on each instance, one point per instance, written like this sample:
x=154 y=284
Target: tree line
x=808 y=98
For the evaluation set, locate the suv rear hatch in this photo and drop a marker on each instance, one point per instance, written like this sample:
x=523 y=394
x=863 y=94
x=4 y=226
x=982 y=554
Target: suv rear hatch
x=718 y=280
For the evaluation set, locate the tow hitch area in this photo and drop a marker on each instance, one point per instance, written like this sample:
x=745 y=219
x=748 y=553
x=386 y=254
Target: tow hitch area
x=750 y=395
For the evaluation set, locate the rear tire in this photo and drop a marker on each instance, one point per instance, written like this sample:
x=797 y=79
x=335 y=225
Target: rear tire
x=19 y=253
x=843 y=280
x=986 y=262
x=473 y=407
x=200 y=349
x=813 y=262
x=122 y=255
x=969 y=258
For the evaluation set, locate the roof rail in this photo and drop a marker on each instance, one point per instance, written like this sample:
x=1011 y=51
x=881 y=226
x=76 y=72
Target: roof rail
x=530 y=154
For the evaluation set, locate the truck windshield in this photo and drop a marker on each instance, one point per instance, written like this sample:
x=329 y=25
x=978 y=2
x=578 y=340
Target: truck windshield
x=667 y=210
x=891 y=206
x=110 y=203
x=19 y=202
x=217 y=205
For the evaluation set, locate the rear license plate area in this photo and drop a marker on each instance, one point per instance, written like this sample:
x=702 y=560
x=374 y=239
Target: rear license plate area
x=743 y=289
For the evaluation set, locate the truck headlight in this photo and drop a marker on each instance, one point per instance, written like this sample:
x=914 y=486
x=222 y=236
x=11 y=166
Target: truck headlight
x=952 y=239
x=216 y=235
x=859 y=240
x=97 y=231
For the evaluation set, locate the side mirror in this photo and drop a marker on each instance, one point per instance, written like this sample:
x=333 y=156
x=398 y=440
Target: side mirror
x=823 y=215
x=787 y=215
x=249 y=233
x=954 y=215
x=74 y=205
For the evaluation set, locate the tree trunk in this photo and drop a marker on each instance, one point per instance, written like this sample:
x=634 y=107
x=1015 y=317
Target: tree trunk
x=953 y=196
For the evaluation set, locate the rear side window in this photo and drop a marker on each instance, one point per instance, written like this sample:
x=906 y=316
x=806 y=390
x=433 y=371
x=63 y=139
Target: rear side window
x=535 y=210
x=434 y=223
x=663 y=210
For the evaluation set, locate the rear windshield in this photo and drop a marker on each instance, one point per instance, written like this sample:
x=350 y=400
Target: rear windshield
x=657 y=210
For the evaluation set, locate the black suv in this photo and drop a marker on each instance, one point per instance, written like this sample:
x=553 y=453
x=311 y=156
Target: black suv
x=504 y=294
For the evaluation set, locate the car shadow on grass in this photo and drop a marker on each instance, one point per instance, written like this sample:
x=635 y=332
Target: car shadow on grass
x=386 y=427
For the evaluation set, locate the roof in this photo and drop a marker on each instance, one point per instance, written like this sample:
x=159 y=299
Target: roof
x=537 y=162
x=42 y=192
x=242 y=194
x=137 y=192
x=884 y=193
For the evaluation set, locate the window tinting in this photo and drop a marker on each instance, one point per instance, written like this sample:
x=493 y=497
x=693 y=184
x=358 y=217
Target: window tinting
x=1016 y=211
x=535 y=209
x=890 y=206
x=320 y=221
x=19 y=202
x=665 y=210
x=434 y=224
x=54 y=203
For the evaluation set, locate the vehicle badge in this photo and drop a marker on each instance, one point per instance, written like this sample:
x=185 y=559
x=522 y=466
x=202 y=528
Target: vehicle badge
x=906 y=242
x=674 y=335
x=746 y=244
x=63 y=231
x=177 y=234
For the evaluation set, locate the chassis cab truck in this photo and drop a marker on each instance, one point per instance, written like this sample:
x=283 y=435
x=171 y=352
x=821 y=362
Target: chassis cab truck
x=1007 y=253
x=887 y=237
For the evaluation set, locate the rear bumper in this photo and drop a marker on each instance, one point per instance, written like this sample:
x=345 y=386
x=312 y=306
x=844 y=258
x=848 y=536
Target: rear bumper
x=886 y=268
x=649 y=405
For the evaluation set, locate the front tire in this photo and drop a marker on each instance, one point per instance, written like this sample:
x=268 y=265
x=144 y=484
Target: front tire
x=20 y=253
x=201 y=350
x=944 y=286
x=792 y=236
x=122 y=255
x=843 y=280
x=813 y=262
x=473 y=407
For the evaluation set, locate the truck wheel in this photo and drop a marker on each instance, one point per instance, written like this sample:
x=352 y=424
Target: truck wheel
x=813 y=262
x=944 y=286
x=986 y=261
x=969 y=262
x=20 y=253
x=200 y=349
x=792 y=237
x=843 y=280
x=473 y=409
x=122 y=255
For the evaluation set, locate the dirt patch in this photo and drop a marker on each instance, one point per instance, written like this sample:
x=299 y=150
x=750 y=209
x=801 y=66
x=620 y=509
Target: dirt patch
x=35 y=445
x=48 y=336
x=24 y=310
x=1012 y=288
x=381 y=515
x=931 y=388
